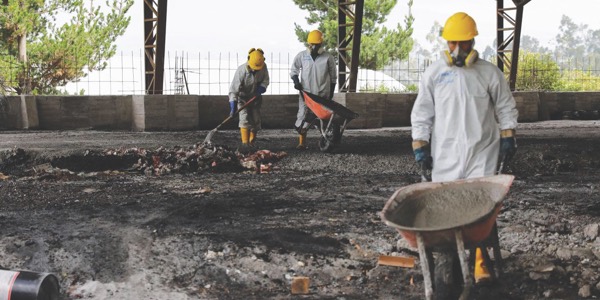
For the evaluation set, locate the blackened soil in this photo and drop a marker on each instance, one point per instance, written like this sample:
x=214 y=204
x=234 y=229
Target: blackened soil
x=110 y=233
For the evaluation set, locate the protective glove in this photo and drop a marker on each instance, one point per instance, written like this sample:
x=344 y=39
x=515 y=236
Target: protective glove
x=232 y=107
x=508 y=144
x=423 y=154
x=297 y=84
x=260 y=90
x=331 y=91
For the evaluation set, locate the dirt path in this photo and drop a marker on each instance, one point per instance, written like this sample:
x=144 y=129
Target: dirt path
x=108 y=233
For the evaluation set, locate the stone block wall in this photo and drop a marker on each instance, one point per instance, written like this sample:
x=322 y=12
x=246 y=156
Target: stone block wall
x=10 y=113
x=110 y=112
x=553 y=104
x=528 y=104
x=397 y=109
x=63 y=113
x=193 y=112
x=165 y=112
x=369 y=107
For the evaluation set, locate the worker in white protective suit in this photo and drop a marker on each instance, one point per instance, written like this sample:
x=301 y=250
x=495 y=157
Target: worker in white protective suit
x=314 y=71
x=251 y=79
x=464 y=117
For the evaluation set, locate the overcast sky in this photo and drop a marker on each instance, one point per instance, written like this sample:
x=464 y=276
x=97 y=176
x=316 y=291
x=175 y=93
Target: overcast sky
x=234 y=26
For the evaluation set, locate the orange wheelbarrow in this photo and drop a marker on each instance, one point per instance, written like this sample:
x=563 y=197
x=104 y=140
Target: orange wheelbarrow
x=332 y=117
x=449 y=217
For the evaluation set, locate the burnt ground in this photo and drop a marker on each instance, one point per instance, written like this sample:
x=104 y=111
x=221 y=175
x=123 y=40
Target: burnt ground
x=109 y=231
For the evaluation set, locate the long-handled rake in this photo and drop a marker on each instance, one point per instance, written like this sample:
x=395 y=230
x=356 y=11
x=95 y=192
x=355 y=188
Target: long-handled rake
x=212 y=132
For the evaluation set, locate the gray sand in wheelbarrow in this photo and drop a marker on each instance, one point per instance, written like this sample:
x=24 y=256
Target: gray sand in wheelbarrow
x=432 y=206
x=456 y=206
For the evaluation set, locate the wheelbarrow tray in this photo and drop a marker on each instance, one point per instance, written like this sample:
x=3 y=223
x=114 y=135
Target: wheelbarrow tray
x=324 y=108
x=436 y=209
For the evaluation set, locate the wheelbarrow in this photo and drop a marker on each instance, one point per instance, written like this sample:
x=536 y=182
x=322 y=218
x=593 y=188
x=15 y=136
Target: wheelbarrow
x=447 y=217
x=332 y=119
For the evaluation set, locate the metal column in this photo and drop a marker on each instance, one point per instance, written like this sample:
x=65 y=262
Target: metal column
x=155 y=23
x=513 y=39
x=348 y=64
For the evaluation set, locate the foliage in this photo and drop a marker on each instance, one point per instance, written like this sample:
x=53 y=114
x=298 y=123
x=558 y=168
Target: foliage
x=379 y=45
x=412 y=88
x=66 y=39
x=537 y=72
x=579 y=81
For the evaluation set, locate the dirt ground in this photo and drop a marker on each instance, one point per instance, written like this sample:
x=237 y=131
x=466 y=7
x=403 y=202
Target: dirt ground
x=110 y=231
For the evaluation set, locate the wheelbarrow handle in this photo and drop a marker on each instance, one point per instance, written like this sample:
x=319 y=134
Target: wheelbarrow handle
x=502 y=163
x=425 y=176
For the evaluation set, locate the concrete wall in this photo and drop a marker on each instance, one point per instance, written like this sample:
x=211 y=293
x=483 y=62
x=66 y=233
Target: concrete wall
x=397 y=109
x=528 y=105
x=165 y=112
x=369 y=107
x=192 y=112
x=554 y=104
x=84 y=112
x=18 y=112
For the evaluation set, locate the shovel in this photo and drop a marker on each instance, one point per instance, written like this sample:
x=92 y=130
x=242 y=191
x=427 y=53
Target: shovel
x=212 y=132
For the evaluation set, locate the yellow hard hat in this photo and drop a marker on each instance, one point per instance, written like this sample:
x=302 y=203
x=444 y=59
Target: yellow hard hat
x=459 y=27
x=315 y=37
x=256 y=59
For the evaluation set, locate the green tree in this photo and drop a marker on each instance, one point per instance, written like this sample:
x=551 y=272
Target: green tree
x=47 y=43
x=379 y=45
x=537 y=72
x=531 y=44
x=434 y=37
x=570 y=41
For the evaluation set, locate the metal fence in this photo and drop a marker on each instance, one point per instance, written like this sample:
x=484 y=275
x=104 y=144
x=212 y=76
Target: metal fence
x=210 y=73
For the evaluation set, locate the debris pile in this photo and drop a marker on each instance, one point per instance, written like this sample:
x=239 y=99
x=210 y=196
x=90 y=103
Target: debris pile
x=198 y=158
x=261 y=161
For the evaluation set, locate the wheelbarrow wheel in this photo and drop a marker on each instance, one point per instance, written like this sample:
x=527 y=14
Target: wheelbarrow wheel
x=332 y=138
x=447 y=276
x=325 y=145
x=336 y=134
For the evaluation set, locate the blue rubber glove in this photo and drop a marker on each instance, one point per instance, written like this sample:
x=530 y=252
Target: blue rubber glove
x=232 y=107
x=260 y=90
x=508 y=148
x=423 y=155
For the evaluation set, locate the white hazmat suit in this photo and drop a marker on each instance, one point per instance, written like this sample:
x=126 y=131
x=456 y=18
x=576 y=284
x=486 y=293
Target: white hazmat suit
x=463 y=111
x=243 y=88
x=316 y=77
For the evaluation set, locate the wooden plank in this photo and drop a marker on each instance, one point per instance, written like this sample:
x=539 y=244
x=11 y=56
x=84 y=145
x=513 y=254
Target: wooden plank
x=396 y=261
x=300 y=285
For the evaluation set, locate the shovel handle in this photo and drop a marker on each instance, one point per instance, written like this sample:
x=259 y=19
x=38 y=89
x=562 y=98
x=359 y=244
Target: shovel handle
x=244 y=106
x=236 y=112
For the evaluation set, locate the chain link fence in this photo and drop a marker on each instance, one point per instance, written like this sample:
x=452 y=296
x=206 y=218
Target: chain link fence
x=210 y=73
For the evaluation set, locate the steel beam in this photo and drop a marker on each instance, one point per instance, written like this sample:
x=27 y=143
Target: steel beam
x=155 y=23
x=508 y=47
x=350 y=15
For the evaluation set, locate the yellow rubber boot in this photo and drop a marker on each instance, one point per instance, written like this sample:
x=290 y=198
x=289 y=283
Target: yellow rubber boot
x=301 y=140
x=481 y=271
x=252 y=138
x=244 y=132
